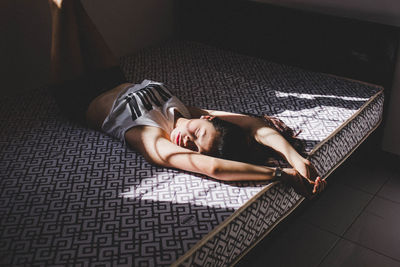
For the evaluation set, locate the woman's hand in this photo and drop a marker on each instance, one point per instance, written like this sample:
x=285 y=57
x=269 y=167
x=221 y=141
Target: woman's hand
x=302 y=185
x=305 y=168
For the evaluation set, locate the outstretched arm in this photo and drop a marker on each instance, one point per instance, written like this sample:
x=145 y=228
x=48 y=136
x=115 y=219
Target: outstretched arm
x=263 y=134
x=268 y=136
x=154 y=145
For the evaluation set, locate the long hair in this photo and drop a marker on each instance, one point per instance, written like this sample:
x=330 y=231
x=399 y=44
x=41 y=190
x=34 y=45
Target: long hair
x=234 y=143
x=288 y=133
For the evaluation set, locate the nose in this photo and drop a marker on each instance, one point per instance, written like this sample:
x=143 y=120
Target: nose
x=186 y=139
x=189 y=144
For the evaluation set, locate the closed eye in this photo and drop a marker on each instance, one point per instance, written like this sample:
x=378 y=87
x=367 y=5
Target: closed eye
x=202 y=134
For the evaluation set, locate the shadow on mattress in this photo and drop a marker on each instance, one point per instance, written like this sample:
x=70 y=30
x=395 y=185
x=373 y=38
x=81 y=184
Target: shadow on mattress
x=71 y=195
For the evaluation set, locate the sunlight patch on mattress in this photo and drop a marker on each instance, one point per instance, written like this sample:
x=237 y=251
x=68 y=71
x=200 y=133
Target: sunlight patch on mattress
x=194 y=190
x=318 y=122
x=315 y=96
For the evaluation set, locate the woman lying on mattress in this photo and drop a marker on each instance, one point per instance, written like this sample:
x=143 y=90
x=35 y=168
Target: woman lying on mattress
x=92 y=89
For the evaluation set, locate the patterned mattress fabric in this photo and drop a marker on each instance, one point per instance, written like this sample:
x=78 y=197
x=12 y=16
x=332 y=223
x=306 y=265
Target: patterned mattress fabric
x=72 y=196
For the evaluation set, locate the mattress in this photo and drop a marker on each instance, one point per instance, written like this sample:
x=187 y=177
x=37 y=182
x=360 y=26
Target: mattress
x=73 y=196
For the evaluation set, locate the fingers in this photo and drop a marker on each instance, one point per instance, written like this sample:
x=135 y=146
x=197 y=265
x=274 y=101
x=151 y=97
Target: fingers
x=309 y=171
x=315 y=188
x=324 y=183
x=319 y=185
x=312 y=171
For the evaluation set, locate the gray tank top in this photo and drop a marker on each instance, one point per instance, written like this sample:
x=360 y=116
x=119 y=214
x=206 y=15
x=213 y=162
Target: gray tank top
x=148 y=103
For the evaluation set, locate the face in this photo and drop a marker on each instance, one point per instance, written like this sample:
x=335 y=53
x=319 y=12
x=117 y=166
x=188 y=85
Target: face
x=195 y=134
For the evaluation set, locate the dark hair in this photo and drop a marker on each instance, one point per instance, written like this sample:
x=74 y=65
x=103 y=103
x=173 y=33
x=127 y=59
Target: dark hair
x=235 y=144
x=232 y=143
x=288 y=133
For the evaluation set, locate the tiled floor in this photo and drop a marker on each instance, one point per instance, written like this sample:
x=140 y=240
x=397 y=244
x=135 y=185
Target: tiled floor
x=355 y=222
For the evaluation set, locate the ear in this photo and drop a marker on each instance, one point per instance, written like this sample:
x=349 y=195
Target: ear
x=207 y=117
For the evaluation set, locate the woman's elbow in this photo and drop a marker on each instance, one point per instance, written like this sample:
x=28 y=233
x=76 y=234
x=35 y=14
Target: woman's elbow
x=216 y=170
x=212 y=169
x=157 y=161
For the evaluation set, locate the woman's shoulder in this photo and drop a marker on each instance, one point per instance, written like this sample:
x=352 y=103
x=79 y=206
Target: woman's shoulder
x=144 y=133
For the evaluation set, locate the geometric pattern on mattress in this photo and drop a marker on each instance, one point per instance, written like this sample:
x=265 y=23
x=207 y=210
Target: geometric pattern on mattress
x=73 y=196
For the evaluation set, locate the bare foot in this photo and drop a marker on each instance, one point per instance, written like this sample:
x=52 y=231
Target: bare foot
x=57 y=5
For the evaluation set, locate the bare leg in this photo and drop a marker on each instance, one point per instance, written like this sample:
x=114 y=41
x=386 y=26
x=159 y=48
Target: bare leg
x=66 y=58
x=77 y=47
x=96 y=53
x=83 y=67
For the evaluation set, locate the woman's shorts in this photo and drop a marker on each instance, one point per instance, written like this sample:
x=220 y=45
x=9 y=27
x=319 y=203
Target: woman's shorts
x=74 y=96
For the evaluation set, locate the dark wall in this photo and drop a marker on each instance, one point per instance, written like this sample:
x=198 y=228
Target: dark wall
x=350 y=48
x=25 y=30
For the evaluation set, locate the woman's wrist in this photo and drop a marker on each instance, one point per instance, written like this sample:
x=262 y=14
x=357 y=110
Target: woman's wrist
x=297 y=160
x=282 y=174
x=277 y=174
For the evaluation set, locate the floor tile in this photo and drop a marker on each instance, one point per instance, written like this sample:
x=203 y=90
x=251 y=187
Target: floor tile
x=348 y=254
x=391 y=189
x=368 y=178
x=301 y=244
x=336 y=208
x=378 y=228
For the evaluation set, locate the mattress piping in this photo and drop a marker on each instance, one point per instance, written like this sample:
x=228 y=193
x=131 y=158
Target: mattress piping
x=206 y=238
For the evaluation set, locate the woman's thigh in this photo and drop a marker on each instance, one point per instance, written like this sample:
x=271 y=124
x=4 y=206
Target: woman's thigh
x=101 y=106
